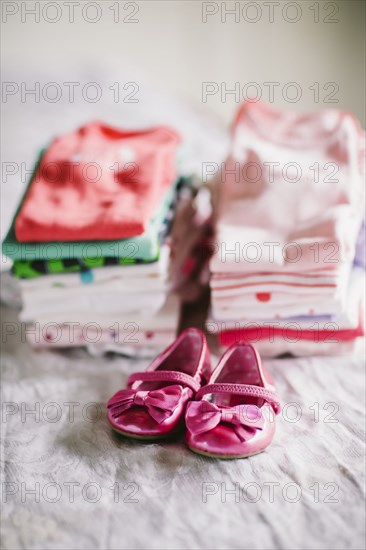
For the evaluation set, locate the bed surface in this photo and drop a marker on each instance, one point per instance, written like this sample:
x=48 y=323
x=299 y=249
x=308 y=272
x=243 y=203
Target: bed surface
x=305 y=491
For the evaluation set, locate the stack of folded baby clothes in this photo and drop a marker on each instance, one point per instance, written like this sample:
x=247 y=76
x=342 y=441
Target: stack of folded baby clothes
x=90 y=240
x=285 y=274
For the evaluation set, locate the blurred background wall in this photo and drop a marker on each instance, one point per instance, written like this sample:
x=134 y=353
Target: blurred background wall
x=180 y=44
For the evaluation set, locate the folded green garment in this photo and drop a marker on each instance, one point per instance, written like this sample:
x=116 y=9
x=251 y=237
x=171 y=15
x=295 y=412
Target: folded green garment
x=143 y=248
x=29 y=269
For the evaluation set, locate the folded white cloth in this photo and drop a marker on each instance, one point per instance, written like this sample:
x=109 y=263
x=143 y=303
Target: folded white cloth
x=114 y=290
x=321 y=280
x=117 y=334
x=285 y=299
x=310 y=306
x=290 y=178
x=108 y=302
x=344 y=314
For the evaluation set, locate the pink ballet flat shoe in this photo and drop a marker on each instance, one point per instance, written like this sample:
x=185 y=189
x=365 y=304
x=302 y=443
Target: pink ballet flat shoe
x=154 y=404
x=234 y=415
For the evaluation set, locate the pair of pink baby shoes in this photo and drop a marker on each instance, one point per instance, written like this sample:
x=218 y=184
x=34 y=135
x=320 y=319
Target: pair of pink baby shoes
x=228 y=412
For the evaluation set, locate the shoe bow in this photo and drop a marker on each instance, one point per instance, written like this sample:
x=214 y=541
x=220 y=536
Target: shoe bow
x=159 y=403
x=203 y=416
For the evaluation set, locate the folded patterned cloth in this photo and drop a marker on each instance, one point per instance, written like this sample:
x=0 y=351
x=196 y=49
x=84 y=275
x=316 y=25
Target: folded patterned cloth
x=346 y=323
x=132 y=275
x=309 y=305
x=280 y=295
x=266 y=284
x=98 y=183
x=132 y=335
x=360 y=257
x=191 y=234
x=34 y=269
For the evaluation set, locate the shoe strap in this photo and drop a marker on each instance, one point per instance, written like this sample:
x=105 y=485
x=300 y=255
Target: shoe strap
x=165 y=376
x=243 y=389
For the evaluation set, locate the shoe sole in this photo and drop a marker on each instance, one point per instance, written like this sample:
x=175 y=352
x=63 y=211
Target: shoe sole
x=144 y=437
x=196 y=451
x=222 y=456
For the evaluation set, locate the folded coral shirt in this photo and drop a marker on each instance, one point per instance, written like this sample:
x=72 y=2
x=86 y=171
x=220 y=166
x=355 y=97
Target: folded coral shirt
x=98 y=183
x=143 y=248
